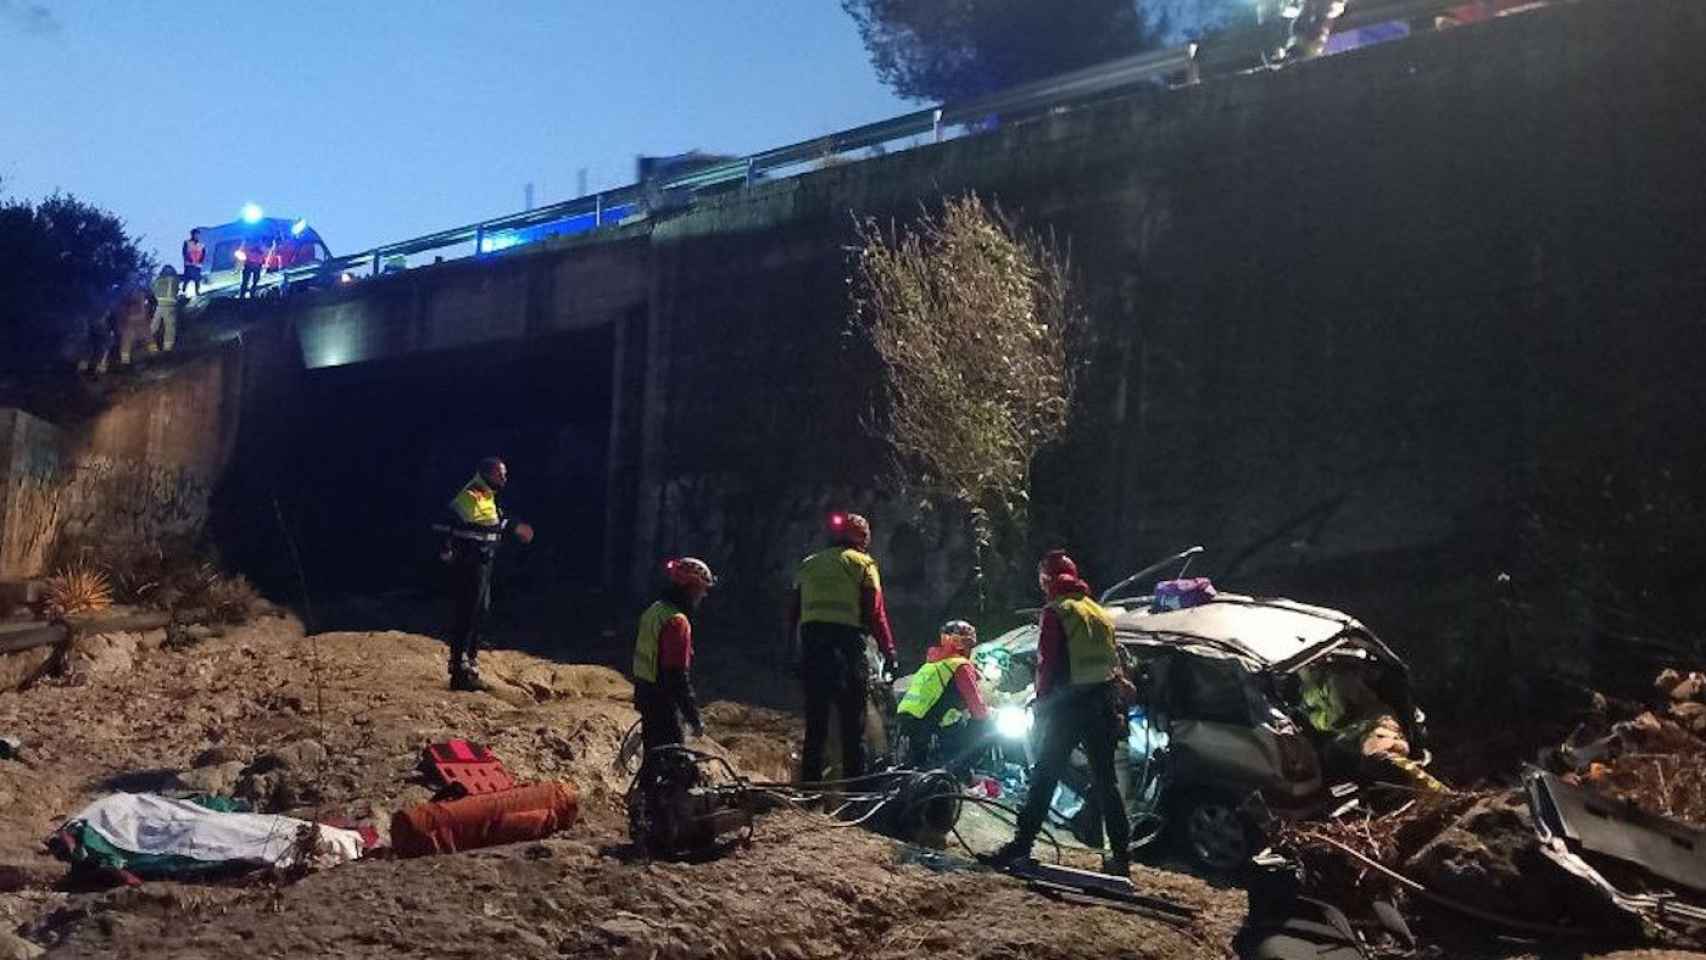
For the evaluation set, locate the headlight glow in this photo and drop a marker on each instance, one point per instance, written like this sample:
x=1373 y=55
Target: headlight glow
x=1012 y=723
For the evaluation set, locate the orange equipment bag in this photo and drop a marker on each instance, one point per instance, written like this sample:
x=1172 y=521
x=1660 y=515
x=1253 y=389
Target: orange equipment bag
x=512 y=816
x=464 y=769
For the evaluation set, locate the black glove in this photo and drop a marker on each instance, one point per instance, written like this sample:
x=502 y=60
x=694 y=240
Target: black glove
x=891 y=668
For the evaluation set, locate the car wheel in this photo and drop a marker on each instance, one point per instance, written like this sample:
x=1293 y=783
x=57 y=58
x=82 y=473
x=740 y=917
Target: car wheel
x=1212 y=829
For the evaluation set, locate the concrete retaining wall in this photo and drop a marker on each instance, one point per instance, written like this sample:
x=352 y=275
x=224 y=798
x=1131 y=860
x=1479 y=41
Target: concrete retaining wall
x=137 y=474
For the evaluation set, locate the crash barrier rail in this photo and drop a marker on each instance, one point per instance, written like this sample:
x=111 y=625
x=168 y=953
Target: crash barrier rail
x=1233 y=49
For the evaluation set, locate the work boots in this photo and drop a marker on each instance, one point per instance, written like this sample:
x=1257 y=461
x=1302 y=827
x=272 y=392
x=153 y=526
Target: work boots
x=465 y=678
x=1117 y=866
x=1011 y=854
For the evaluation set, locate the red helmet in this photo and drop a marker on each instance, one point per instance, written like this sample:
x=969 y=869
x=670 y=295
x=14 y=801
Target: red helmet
x=958 y=633
x=850 y=529
x=1055 y=563
x=689 y=572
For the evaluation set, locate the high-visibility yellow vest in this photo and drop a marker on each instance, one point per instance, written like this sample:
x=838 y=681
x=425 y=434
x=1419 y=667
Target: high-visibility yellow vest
x=646 y=640
x=1090 y=650
x=476 y=504
x=830 y=582
x=928 y=687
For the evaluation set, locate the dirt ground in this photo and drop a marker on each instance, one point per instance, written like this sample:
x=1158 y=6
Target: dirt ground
x=138 y=717
x=242 y=713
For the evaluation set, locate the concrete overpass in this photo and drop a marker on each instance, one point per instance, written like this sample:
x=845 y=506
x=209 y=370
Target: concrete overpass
x=1352 y=317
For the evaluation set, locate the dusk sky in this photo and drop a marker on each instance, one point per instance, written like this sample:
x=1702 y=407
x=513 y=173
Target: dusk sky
x=383 y=120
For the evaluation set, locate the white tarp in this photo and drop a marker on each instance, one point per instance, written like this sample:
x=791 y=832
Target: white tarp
x=148 y=824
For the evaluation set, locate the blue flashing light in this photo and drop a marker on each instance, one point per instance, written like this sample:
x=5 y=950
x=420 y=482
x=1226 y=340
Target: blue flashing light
x=252 y=213
x=502 y=241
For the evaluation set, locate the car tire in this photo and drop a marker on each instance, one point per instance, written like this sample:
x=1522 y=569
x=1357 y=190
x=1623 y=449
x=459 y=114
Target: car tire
x=1212 y=830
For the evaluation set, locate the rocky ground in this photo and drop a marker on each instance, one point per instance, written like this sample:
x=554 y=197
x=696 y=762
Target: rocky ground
x=242 y=713
x=333 y=725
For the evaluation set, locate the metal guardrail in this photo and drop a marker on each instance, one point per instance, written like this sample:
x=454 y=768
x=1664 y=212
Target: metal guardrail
x=1019 y=103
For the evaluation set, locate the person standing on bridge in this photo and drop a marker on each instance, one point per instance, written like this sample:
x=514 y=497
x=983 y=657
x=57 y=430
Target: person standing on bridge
x=165 y=330
x=251 y=254
x=1078 y=704
x=473 y=532
x=838 y=598
x=195 y=254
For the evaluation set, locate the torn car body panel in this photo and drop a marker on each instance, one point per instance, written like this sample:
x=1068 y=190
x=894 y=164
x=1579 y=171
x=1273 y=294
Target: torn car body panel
x=1597 y=824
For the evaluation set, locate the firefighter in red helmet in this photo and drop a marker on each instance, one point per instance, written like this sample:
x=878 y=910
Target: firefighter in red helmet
x=837 y=600
x=1078 y=705
x=663 y=658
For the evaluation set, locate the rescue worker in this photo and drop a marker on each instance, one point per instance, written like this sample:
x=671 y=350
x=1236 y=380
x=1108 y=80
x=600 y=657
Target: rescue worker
x=251 y=254
x=663 y=659
x=1078 y=705
x=195 y=255
x=1361 y=733
x=130 y=321
x=837 y=599
x=943 y=713
x=165 y=327
x=473 y=533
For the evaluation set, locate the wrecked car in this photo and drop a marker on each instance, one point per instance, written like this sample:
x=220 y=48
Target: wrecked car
x=1247 y=706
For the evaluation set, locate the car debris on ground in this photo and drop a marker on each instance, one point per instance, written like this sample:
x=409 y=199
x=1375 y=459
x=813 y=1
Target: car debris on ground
x=1603 y=840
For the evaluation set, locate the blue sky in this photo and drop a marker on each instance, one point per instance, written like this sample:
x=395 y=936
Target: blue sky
x=382 y=119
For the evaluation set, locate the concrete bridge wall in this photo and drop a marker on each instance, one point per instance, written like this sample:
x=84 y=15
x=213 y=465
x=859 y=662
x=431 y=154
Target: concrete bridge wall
x=1367 y=327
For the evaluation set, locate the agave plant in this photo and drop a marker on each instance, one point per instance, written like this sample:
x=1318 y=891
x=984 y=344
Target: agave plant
x=78 y=588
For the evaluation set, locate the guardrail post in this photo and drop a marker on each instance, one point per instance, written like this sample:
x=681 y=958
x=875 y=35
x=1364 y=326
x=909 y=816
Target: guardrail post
x=936 y=125
x=751 y=171
x=598 y=210
x=479 y=239
x=378 y=258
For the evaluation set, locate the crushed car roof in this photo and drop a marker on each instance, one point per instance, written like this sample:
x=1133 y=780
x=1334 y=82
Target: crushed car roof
x=1268 y=630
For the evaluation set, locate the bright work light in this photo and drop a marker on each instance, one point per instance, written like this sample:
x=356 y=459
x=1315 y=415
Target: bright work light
x=1013 y=723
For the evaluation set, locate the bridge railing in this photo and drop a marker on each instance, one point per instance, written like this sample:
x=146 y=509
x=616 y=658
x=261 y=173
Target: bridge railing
x=1233 y=49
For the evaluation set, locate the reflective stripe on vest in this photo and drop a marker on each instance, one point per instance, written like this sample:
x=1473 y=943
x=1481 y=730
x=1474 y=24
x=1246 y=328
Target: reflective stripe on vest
x=831 y=582
x=1090 y=655
x=646 y=640
x=476 y=504
x=928 y=687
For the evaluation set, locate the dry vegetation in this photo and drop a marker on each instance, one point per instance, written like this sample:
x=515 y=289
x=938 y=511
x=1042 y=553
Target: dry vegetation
x=77 y=588
x=976 y=327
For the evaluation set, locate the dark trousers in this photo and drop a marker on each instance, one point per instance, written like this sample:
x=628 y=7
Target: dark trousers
x=660 y=723
x=470 y=599
x=192 y=277
x=250 y=285
x=1081 y=716
x=933 y=746
x=834 y=673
